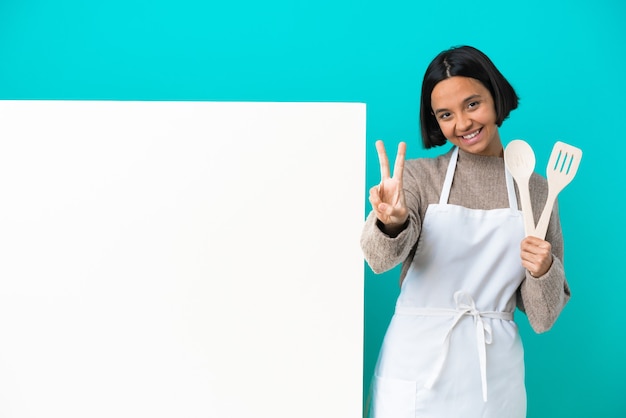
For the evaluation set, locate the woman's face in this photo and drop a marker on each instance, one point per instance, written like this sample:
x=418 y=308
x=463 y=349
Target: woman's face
x=466 y=115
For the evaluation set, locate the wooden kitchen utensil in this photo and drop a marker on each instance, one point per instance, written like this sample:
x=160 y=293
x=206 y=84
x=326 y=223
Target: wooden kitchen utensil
x=562 y=167
x=520 y=161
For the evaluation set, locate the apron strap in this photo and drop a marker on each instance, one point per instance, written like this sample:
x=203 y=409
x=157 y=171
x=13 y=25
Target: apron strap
x=447 y=183
x=510 y=188
x=464 y=306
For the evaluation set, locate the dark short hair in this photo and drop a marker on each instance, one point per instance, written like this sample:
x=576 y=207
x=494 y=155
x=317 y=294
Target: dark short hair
x=465 y=61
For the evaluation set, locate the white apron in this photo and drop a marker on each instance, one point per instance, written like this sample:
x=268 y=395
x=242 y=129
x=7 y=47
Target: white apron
x=452 y=348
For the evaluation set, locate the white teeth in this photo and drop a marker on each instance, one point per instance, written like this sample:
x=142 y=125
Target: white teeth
x=472 y=135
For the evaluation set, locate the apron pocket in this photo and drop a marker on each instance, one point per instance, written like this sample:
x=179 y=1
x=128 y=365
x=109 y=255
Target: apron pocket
x=393 y=398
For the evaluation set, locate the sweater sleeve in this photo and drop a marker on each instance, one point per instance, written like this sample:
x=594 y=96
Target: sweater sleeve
x=381 y=251
x=543 y=298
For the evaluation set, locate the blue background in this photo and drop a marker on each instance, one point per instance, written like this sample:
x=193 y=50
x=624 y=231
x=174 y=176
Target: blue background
x=565 y=58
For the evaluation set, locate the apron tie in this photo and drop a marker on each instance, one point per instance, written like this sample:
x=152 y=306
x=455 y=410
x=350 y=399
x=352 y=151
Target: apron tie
x=465 y=305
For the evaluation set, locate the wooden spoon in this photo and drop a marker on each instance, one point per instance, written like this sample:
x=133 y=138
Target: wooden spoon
x=519 y=159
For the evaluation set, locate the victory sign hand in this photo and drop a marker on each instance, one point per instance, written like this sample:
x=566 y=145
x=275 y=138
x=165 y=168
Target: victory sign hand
x=387 y=198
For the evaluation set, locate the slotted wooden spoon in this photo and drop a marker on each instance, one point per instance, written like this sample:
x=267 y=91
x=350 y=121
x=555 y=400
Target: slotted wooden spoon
x=562 y=167
x=520 y=161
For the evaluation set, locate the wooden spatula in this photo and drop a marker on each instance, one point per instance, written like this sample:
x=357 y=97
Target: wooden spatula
x=562 y=167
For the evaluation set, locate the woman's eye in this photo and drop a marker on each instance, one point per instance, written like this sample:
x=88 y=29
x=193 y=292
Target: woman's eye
x=444 y=116
x=472 y=105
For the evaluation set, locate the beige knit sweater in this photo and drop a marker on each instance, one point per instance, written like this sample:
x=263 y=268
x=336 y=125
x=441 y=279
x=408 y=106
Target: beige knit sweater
x=479 y=183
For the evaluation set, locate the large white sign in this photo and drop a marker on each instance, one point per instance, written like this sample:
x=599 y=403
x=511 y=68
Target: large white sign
x=181 y=259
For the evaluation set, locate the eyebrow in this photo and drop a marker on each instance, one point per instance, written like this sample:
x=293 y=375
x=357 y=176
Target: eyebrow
x=467 y=99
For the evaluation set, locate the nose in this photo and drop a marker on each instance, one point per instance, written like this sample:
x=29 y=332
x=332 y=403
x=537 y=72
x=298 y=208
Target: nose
x=463 y=123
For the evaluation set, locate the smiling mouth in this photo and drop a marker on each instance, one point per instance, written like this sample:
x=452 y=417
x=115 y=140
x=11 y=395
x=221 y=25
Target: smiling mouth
x=472 y=135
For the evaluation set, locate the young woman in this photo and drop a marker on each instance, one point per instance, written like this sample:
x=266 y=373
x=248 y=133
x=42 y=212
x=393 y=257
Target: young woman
x=452 y=348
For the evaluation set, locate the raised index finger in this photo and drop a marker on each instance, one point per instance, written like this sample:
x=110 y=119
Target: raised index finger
x=383 y=160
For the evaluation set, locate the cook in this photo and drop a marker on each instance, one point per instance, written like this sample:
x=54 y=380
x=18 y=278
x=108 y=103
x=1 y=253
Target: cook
x=453 y=222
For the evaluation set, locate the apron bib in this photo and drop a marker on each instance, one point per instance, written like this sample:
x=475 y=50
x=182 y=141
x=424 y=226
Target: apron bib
x=452 y=348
